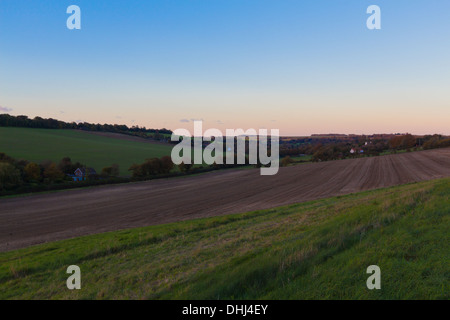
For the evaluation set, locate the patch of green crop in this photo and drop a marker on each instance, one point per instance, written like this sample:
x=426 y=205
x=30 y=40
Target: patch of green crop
x=94 y=151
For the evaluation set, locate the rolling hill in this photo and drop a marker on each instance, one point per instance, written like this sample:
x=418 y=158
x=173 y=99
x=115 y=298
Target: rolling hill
x=94 y=150
x=53 y=216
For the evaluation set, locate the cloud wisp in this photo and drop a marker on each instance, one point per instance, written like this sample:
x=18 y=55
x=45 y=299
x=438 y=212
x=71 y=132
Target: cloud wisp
x=5 y=109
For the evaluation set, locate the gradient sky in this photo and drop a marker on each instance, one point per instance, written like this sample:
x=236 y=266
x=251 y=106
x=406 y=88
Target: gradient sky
x=299 y=66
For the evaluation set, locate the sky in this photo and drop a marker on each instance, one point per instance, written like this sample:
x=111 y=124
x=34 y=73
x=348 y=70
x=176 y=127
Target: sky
x=300 y=66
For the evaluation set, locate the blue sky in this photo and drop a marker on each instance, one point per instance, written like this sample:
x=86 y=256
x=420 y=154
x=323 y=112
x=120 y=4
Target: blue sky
x=300 y=66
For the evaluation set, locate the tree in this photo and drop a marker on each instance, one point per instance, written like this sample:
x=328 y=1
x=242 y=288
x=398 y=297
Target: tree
x=137 y=170
x=166 y=164
x=32 y=172
x=152 y=166
x=112 y=171
x=286 y=161
x=408 y=141
x=185 y=167
x=9 y=176
x=52 y=173
x=395 y=142
x=6 y=158
x=66 y=166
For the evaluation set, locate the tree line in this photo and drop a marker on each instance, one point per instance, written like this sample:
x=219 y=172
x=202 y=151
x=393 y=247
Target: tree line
x=165 y=166
x=23 y=173
x=7 y=120
x=340 y=147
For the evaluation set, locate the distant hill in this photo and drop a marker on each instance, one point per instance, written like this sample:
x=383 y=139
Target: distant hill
x=95 y=151
x=22 y=121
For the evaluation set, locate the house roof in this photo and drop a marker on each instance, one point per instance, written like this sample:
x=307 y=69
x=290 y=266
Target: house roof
x=88 y=170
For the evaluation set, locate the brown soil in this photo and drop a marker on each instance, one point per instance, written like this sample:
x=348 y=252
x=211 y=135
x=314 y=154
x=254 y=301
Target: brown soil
x=39 y=218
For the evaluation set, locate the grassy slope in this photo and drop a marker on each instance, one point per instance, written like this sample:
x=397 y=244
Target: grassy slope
x=94 y=151
x=318 y=249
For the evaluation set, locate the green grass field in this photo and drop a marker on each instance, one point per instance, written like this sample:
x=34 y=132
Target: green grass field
x=314 y=250
x=94 y=151
x=302 y=158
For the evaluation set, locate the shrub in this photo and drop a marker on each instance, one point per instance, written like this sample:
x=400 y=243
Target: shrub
x=9 y=176
x=286 y=161
x=32 y=172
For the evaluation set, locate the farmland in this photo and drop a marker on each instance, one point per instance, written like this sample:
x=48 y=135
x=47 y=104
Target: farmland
x=94 y=150
x=314 y=250
x=47 y=217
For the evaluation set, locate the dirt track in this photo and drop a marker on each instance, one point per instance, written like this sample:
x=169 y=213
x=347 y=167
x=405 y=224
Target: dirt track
x=41 y=218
